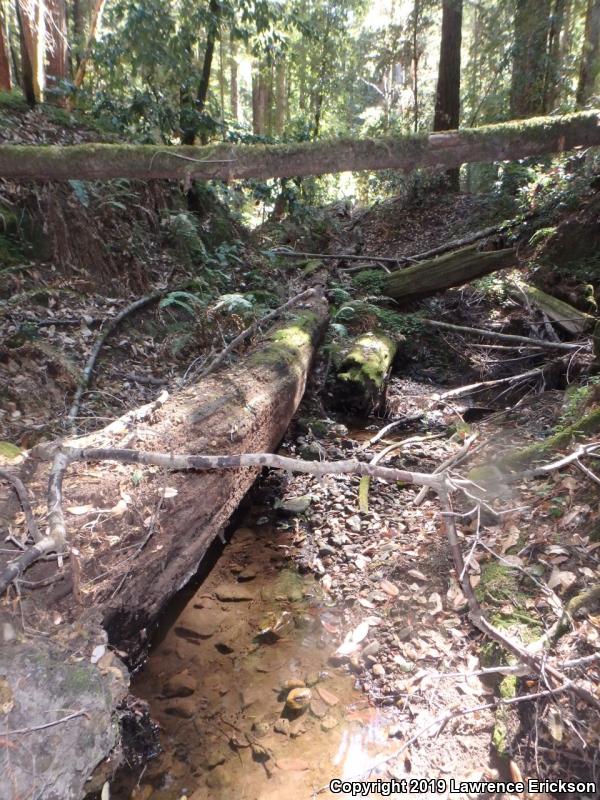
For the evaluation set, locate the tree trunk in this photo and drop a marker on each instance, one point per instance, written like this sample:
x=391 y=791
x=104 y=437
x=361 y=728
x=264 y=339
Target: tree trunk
x=211 y=36
x=566 y=316
x=415 y=62
x=590 y=57
x=27 y=82
x=95 y=20
x=361 y=379
x=244 y=409
x=233 y=79
x=280 y=97
x=443 y=272
x=32 y=23
x=257 y=125
x=505 y=142
x=447 y=101
x=529 y=58
x=57 y=46
x=222 y=83
x=554 y=62
x=5 y=77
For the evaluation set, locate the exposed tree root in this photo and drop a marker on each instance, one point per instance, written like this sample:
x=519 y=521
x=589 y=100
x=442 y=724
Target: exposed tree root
x=21 y=493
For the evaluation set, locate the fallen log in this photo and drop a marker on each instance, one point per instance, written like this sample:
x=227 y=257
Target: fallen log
x=504 y=141
x=443 y=272
x=566 y=316
x=244 y=408
x=361 y=378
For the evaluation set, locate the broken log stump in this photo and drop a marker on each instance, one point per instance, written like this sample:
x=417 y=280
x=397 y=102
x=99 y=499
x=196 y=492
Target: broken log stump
x=362 y=376
x=443 y=272
x=566 y=316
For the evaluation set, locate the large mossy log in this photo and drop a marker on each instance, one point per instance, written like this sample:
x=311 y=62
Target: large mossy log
x=443 y=272
x=500 y=142
x=361 y=378
x=244 y=408
x=566 y=316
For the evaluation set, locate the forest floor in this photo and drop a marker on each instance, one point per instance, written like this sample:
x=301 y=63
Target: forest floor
x=316 y=567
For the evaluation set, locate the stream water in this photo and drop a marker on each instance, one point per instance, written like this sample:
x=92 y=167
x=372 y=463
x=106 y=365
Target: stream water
x=219 y=674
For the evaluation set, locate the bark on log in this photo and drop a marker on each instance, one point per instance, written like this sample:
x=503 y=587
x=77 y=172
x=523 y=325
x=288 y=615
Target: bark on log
x=362 y=376
x=569 y=318
x=500 y=142
x=246 y=408
x=443 y=272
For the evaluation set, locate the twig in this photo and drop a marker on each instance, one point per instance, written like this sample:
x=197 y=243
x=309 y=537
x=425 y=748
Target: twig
x=543 y=469
x=392 y=425
x=522 y=376
x=21 y=493
x=452 y=461
x=505 y=337
x=220 y=357
x=339 y=256
x=103 y=336
x=74 y=715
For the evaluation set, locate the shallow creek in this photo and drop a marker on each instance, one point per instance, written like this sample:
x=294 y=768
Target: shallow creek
x=219 y=674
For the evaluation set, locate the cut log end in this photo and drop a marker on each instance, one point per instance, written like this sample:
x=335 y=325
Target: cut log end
x=361 y=379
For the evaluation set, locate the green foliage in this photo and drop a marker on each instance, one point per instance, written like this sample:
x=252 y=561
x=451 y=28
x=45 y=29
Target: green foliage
x=370 y=280
x=191 y=303
x=184 y=235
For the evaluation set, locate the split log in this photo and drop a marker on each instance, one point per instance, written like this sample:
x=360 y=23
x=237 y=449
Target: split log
x=566 y=316
x=362 y=376
x=244 y=408
x=443 y=272
x=504 y=141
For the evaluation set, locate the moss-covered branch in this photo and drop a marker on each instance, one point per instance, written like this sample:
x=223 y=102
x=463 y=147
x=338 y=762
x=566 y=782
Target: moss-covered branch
x=503 y=141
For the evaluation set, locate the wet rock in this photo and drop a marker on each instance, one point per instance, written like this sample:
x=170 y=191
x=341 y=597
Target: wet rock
x=182 y=707
x=354 y=523
x=215 y=757
x=219 y=778
x=181 y=685
x=311 y=451
x=225 y=646
x=312 y=679
x=197 y=630
x=297 y=728
x=293 y=683
x=389 y=588
x=7 y=633
x=328 y=723
x=249 y=573
x=261 y=729
x=233 y=593
x=371 y=649
x=328 y=697
x=282 y=726
x=378 y=670
x=298 y=699
x=295 y=505
x=318 y=708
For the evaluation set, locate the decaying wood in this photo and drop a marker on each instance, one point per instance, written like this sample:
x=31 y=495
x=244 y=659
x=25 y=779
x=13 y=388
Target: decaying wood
x=363 y=372
x=443 y=272
x=241 y=337
x=500 y=142
x=566 y=316
x=536 y=372
x=503 y=337
x=21 y=492
x=247 y=407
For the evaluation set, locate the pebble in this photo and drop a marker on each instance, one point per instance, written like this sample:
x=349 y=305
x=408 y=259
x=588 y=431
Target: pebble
x=233 y=593
x=196 y=631
x=181 y=685
x=249 y=573
x=328 y=697
x=260 y=729
x=282 y=726
x=328 y=723
x=378 y=670
x=182 y=707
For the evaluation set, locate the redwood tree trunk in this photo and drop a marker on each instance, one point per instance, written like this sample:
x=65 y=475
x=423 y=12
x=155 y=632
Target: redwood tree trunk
x=5 y=77
x=82 y=67
x=56 y=69
x=447 y=101
x=590 y=57
x=25 y=46
x=529 y=58
x=233 y=79
x=189 y=135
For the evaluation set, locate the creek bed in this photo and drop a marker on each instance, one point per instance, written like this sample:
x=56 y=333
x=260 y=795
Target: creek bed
x=215 y=683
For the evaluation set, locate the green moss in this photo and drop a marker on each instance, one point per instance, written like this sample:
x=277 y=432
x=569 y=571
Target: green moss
x=500 y=732
x=287 y=342
x=369 y=360
x=508 y=687
x=371 y=280
x=10 y=254
x=588 y=424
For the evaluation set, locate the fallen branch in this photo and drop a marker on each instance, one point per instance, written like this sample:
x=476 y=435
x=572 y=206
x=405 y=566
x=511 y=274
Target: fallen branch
x=56 y=539
x=339 y=256
x=451 y=461
x=522 y=376
x=21 y=493
x=392 y=425
x=544 y=469
x=537 y=663
x=86 y=375
x=220 y=357
x=505 y=337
